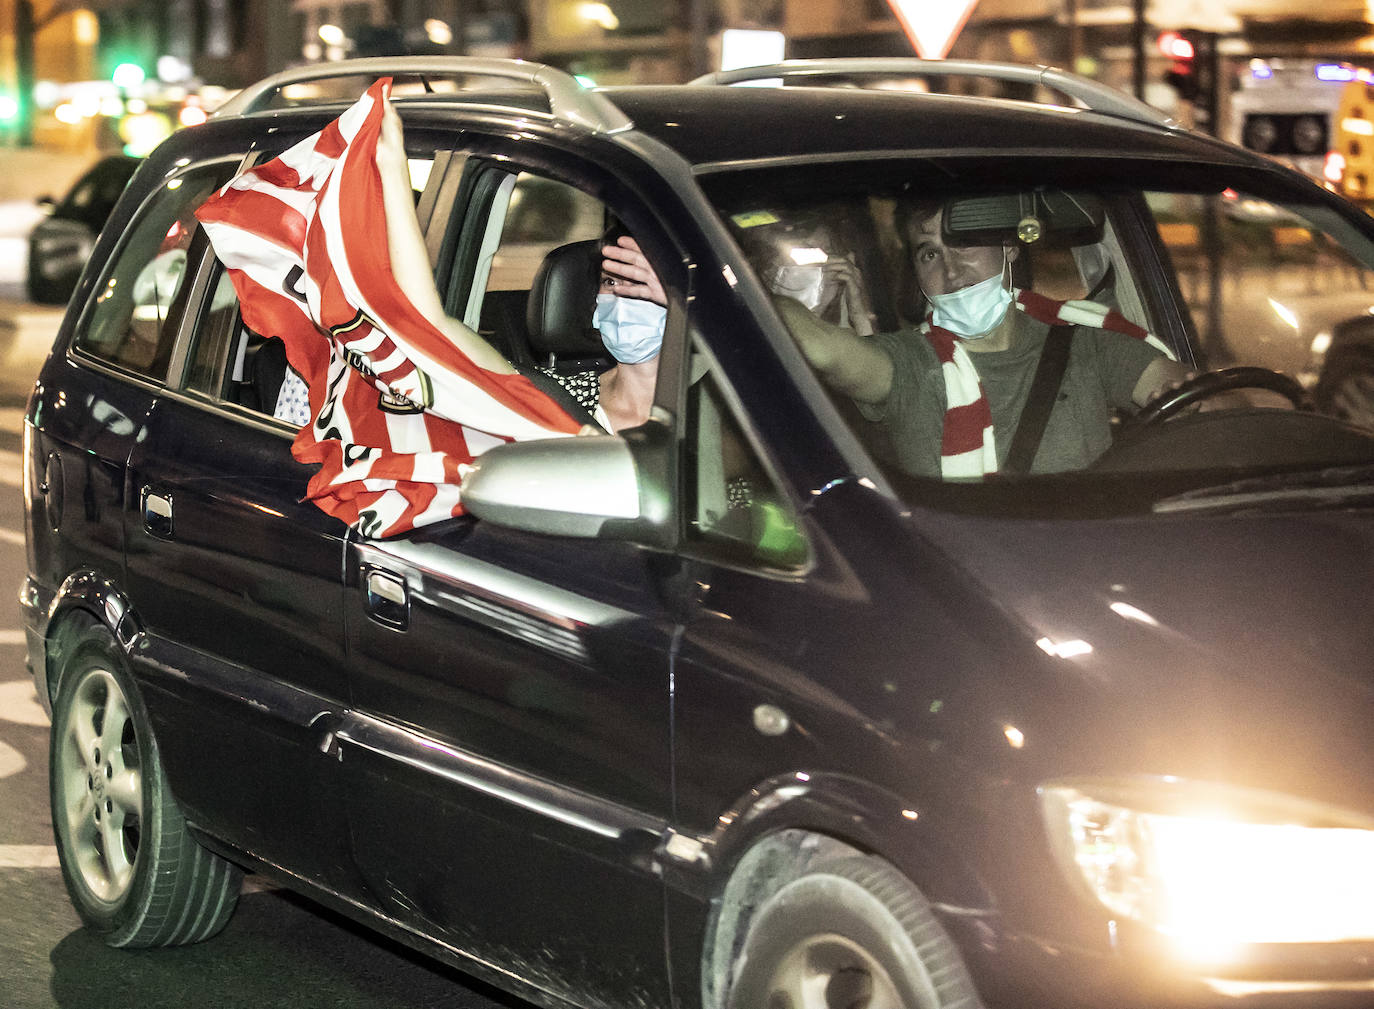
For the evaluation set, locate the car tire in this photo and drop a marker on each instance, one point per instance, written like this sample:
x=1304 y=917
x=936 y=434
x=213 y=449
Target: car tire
x=849 y=932
x=136 y=875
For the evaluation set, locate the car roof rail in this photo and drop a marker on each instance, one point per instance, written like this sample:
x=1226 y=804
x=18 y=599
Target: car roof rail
x=568 y=100
x=1097 y=96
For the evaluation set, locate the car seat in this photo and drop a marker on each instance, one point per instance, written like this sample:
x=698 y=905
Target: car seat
x=558 y=314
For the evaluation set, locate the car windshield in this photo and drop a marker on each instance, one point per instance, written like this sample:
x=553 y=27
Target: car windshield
x=1219 y=269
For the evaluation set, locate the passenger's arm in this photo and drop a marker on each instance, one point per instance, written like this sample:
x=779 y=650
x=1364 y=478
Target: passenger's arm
x=410 y=266
x=845 y=361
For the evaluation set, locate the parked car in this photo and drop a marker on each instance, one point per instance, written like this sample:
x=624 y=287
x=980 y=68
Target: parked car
x=60 y=243
x=871 y=738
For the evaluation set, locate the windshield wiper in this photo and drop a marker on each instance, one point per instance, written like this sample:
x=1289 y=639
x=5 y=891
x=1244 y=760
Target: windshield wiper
x=1338 y=486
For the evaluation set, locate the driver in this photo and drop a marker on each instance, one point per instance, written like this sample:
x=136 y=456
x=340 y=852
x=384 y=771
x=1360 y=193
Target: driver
x=952 y=394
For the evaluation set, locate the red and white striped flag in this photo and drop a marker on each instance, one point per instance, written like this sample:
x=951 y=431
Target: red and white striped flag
x=398 y=410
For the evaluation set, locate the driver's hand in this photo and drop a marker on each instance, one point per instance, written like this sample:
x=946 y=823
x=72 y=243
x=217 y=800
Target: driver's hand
x=1160 y=376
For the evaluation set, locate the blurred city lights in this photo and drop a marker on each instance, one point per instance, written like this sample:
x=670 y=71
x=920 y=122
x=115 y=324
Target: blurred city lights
x=128 y=75
x=599 y=14
x=438 y=32
x=143 y=132
x=9 y=108
x=331 y=35
x=173 y=70
x=85 y=28
x=745 y=48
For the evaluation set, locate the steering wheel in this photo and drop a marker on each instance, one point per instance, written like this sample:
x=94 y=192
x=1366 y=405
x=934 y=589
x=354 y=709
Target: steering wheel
x=1212 y=383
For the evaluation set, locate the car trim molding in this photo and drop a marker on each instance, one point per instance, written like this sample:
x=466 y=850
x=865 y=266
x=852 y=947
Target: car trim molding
x=564 y=805
x=166 y=659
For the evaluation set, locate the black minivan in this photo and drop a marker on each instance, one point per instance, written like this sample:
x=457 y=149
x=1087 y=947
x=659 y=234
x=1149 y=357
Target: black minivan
x=617 y=736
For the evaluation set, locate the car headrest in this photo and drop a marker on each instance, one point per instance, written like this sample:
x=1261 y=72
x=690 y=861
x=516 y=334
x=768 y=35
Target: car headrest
x=562 y=300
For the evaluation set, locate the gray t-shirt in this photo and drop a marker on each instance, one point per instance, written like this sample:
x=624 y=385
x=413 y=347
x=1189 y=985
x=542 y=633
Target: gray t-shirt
x=1102 y=372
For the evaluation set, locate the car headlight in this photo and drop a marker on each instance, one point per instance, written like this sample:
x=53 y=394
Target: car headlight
x=1214 y=868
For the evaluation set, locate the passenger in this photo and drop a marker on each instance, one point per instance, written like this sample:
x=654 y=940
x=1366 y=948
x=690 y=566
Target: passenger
x=952 y=397
x=630 y=307
x=630 y=313
x=805 y=260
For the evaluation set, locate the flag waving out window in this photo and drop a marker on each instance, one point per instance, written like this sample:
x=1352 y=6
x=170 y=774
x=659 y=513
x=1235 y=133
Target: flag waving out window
x=398 y=408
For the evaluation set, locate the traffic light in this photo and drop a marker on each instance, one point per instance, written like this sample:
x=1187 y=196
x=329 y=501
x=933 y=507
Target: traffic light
x=1183 y=73
x=1193 y=72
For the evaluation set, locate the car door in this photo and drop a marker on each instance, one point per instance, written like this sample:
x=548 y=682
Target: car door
x=508 y=754
x=235 y=579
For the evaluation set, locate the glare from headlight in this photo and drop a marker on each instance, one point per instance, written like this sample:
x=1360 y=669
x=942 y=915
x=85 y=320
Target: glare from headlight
x=1215 y=868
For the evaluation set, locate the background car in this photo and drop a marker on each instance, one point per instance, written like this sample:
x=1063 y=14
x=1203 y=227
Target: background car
x=628 y=733
x=60 y=243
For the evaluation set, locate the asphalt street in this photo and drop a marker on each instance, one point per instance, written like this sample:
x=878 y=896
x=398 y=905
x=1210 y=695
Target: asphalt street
x=278 y=952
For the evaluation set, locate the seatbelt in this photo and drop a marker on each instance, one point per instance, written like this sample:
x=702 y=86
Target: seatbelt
x=1049 y=375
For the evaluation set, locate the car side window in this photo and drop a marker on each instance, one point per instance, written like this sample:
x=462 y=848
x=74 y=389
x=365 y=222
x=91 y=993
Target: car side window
x=139 y=304
x=531 y=217
x=734 y=507
x=232 y=364
x=542 y=214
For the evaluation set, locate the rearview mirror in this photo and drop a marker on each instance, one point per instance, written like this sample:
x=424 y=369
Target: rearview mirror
x=1056 y=215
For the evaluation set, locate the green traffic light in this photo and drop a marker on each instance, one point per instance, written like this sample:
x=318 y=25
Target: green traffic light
x=9 y=109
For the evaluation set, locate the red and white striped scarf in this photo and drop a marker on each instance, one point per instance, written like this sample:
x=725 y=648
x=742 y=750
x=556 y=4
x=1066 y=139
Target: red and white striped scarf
x=398 y=411
x=968 y=447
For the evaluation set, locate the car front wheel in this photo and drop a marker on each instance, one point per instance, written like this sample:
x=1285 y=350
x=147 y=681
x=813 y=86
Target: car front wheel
x=854 y=933
x=134 y=872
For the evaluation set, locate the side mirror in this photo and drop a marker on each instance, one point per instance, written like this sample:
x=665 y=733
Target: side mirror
x=582 y=486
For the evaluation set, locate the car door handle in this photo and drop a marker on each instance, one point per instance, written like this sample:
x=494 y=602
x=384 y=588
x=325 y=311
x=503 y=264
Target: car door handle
x=388 y=598
x=157 y=513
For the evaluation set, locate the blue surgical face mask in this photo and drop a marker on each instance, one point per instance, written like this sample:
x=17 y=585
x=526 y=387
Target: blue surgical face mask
x=631 y=328
x=972 y=312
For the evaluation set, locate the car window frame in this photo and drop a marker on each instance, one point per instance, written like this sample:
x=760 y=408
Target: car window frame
x=488 y=159
x=208 y=270
x=188 y=296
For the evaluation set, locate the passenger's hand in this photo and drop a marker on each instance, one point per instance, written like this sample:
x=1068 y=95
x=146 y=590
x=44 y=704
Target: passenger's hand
x=630 y=272
x=391 y=145
x=845 y=275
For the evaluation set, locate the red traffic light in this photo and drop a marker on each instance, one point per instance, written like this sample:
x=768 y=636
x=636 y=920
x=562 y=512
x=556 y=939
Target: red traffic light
x=1176 y=46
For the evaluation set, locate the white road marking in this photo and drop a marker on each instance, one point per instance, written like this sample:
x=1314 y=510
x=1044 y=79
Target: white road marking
x=19 y=704
x=11 y=469
x=10 y=536
x=11 y=760
x=12 y=637
x=28 y=856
